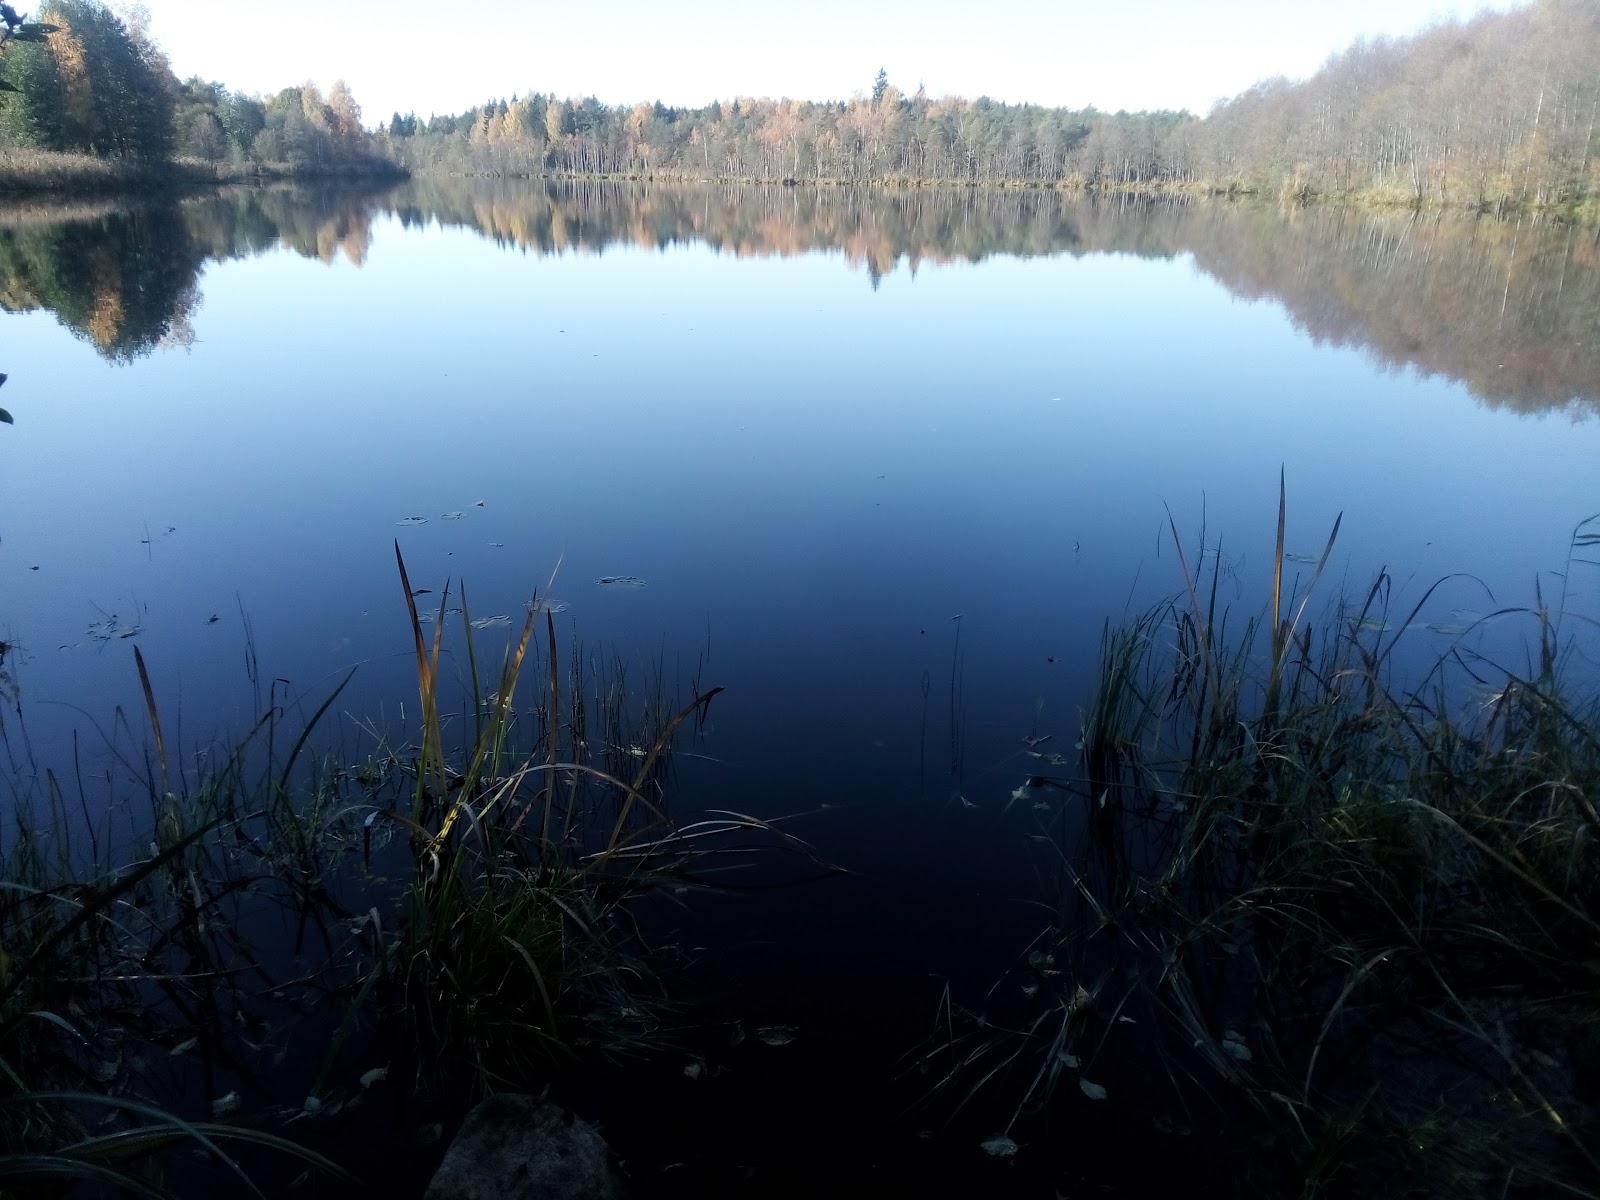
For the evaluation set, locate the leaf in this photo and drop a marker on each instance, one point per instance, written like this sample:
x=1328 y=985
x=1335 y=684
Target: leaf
x=454 y=515
x=412 y=521
x=223 y=1105
x=4 y=415
x=776 y=1035
x=376 y=1075
x=1000 y=1146
x=1092 y=1090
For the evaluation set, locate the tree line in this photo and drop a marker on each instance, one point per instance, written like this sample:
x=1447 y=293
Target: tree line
x=1500 y=108
x=91 y=82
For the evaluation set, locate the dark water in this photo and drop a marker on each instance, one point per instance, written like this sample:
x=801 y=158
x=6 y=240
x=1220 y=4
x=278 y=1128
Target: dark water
x=886 y=463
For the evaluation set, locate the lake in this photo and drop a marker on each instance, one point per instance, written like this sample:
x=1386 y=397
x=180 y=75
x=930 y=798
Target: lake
x=885 y=463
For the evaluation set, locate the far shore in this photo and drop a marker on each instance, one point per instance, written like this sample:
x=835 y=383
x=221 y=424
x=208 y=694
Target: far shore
x=48 y=174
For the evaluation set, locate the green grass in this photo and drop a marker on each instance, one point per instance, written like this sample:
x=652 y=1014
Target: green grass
x=1366 y=911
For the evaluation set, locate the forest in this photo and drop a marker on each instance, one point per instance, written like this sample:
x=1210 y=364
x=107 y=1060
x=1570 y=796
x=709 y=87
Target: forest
x=83 y=81
x=1494 y=112
x=1497 y=110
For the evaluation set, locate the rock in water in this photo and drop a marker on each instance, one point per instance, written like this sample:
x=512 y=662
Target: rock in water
x=519 y=1148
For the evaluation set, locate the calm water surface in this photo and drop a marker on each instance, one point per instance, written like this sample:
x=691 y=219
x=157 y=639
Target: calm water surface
x=880 y=460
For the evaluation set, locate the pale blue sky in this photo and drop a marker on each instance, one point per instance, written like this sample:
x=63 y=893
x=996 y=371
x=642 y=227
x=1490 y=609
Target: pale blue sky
x=435 y=57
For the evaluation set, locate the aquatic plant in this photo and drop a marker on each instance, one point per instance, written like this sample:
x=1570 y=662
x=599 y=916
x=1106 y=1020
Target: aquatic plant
x=279 y=927
x=1362 y=915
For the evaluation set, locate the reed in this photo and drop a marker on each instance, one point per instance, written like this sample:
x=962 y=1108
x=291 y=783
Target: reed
x=455 y=903
x=1367 y=912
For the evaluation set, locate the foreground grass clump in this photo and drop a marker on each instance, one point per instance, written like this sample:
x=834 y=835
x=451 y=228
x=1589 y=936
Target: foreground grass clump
x=1364 y=918
x=276 y=932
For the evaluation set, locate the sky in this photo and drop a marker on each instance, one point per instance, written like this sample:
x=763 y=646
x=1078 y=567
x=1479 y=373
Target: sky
x=408 y=55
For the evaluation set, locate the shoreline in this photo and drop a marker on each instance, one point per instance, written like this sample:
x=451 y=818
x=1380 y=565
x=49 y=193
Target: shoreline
x=1585 y=210
x=38 y=174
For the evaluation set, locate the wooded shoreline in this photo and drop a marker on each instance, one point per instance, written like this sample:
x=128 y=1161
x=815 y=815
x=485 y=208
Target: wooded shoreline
x=47 y=173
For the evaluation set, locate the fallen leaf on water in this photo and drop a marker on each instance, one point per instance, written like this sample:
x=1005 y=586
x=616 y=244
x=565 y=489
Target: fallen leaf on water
x=1092 y=1090
x=692 y=1070
x=620 y=582
x=376 y=1075
x=776 y=1035
x=454 y=515
x=1000 y=1146
x=223 y=1105
x=491 y=622
x=412 y=521
x=184 y=1047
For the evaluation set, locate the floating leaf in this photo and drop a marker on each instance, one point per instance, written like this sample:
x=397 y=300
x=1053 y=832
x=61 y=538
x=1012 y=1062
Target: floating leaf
x=431 y=615
x=1305 y=560
x=1233 y=1043
x=412 y=521
x=554 y=607
x=111 y=630
x=6 y=417
x=223 y=1105
x=312 y=1106
x=776 y=1035
x=999 y=1145
x=376 y=1075
x=1068 y=1060
x=1373 y=625
x=626 y=583
x=184 y=1047
x=1449 y=628
x=452 y=516
x=692 y=1070
x=1092 y=1090
x=491 y=622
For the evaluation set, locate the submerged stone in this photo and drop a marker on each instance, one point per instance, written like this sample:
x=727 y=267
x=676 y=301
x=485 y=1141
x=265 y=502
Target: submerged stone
x=520 y=1148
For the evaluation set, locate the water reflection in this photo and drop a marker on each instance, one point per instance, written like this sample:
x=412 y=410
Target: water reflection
x=1510 y=309
x=126 y=278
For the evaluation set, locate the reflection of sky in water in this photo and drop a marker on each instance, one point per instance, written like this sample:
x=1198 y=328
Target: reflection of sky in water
x=811 y=474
